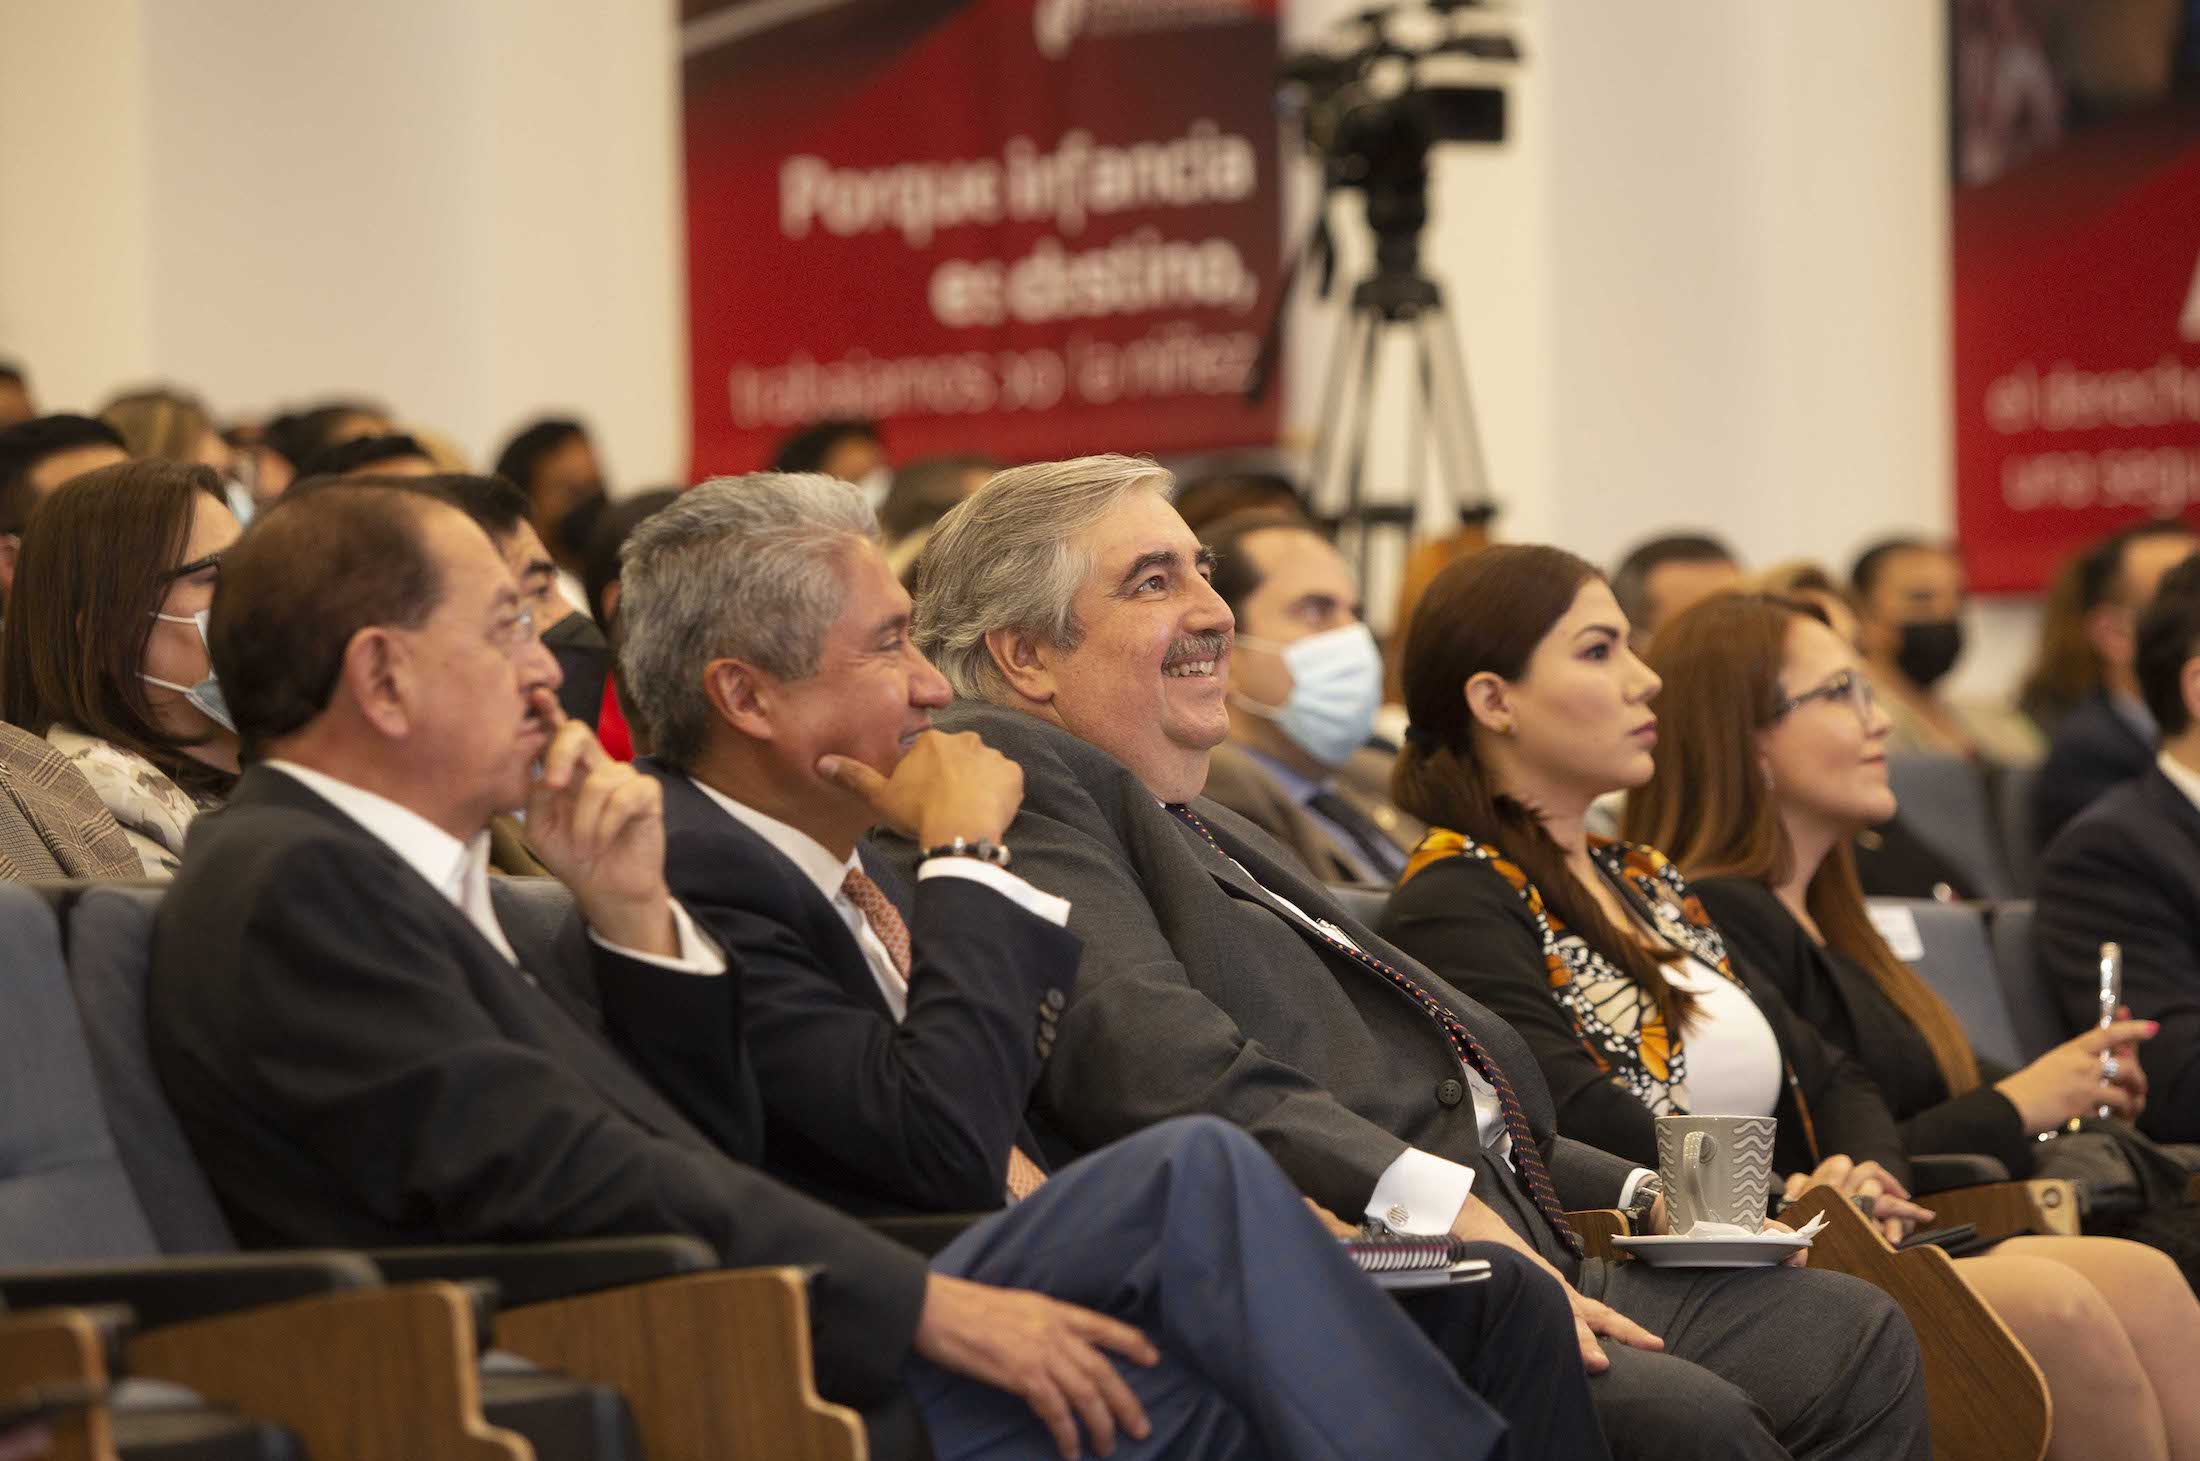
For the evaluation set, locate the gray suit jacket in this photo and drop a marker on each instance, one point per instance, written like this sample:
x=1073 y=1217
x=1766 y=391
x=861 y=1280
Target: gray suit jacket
x=1197 y=994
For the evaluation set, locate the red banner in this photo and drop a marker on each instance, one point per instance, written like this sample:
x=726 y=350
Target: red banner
x=2077 y=287
x=1028 y=229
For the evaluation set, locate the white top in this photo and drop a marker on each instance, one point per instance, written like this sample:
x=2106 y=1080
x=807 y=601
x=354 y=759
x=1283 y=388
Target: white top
x=2181 y=776
x=1733 y=1059
x=830 y=874
x=460 y=870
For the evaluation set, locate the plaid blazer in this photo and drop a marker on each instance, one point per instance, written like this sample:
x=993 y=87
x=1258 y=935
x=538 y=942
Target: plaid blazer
x=52 y=824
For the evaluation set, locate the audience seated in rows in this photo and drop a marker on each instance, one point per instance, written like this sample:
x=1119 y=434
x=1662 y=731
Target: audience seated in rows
x=1219 y=978
x=1657 y=580
x=2109 y=737
x=2127 y=871
x=1760 y=685
x=105 y=645
x=938 y=998
x=360 y=1055
x=1770 y=858
x=1909 y=596
x=553 y=461
x=37 y=456
x=1306 y=680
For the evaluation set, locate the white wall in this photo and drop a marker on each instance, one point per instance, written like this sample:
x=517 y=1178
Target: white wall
x=467 y=210
x=1704 y=283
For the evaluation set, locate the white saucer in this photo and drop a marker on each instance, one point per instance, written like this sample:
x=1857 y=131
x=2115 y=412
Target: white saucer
x=1760 y=1250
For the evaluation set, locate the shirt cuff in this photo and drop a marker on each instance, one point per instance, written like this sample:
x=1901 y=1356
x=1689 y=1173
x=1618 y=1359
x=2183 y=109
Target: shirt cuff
x=1054 y=910
x=1634 y=1180
x=699 y=954
x=1420 y=1194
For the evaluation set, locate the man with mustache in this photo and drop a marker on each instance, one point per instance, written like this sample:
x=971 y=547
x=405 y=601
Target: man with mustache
x=1069 y=607
x=362 y=1056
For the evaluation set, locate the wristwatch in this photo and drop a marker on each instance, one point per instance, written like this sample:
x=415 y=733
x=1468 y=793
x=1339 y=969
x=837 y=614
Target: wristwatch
x=1647 y=1192
x=983 y=851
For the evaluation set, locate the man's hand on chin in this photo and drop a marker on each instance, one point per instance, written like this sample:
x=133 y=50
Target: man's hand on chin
x=598 y=825
x=1477 y=1224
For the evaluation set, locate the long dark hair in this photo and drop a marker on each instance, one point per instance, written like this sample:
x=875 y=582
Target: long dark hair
x=1485 y=614
x=93 y=571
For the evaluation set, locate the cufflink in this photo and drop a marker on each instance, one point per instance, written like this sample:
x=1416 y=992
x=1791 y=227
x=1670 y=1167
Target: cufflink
x=1396 y=1216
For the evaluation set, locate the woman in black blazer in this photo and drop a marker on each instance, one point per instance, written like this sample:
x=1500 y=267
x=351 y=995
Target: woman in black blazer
x=1775 y=759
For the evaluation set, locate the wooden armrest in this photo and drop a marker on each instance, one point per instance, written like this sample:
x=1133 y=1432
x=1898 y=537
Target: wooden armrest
x=45 y=1347
x=711 y=1364
x=1985 y=1396
x=2044 y=1205
x=1597 y=1227
x=368 y=1374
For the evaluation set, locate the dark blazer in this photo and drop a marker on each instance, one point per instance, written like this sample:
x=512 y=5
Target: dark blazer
x=871 y=1114
x=355 y=1065
x=1199 y=995
x=1468 y=924
x=2096 y=749
x=2128 y=869
x=1835 y=996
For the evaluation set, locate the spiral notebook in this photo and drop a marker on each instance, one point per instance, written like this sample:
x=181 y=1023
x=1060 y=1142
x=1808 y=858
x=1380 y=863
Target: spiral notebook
x=1406 y=1261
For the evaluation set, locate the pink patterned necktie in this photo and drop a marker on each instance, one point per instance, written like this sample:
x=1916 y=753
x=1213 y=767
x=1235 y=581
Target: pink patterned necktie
x=879 y=911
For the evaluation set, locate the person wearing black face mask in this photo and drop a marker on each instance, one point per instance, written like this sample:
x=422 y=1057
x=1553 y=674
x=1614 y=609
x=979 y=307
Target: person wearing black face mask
x=1909 y=603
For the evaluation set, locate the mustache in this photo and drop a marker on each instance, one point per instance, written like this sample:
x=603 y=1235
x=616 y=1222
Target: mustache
x=1212 y=644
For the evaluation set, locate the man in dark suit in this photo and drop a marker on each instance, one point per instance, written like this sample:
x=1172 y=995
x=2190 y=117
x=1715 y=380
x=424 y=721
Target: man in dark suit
x=1069 y=607
x=2109 y=737
x=768 y=639
x=360 y=1055
x=2128 y=871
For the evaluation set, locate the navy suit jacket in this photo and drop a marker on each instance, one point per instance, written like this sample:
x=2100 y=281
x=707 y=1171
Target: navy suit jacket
x=873 y=1114
x=2128 y=869
x=356 y=1066
x=2096 y=749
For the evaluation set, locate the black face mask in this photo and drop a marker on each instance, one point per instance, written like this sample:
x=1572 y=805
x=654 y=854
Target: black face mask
x=1929 y=650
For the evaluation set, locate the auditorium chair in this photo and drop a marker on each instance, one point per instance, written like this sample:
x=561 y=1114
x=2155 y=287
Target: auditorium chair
x=2013 y=787
x=1986 y=1399
x=711 y=1362
x=1949 y=803
x=260 y=1352
x=2033 y=1012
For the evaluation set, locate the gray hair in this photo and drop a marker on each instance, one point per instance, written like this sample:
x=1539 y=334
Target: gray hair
x=1003 y=559
x=742 y=568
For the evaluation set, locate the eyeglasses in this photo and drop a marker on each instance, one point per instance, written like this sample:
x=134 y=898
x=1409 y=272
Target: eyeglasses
x=513 y=634
x=1847 y=685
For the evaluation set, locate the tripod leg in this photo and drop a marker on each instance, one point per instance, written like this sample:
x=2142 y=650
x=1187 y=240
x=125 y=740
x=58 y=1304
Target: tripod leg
x=1454 y=412
x=1326 y=428
x=1363 y=420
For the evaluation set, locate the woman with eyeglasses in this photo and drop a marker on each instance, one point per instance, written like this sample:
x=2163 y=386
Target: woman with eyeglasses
x=105 y=652
x=1526 y=705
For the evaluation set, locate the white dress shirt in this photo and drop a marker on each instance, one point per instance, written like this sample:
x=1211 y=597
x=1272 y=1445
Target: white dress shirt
x=459 y=871
x=2181 y=776
x=830 y=875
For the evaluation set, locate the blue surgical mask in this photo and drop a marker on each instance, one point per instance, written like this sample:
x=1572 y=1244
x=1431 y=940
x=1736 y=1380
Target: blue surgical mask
x=1336 y=688
x=206 y=696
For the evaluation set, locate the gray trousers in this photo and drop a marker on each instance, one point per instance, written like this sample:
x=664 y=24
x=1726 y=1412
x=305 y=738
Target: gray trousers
x=1759 y=1364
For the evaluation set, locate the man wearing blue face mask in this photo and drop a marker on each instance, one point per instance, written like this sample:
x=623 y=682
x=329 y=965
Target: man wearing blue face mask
x=1305 y=682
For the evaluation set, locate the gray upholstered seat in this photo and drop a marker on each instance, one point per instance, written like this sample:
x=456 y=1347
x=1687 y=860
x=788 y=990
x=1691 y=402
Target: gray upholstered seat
x=2033 y=1011
x=1947 y=803
x=64 y=1194
x=1958 y=962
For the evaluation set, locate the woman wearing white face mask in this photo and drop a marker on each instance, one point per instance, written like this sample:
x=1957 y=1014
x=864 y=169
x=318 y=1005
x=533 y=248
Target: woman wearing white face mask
x=1306 y=680
x=105 y=650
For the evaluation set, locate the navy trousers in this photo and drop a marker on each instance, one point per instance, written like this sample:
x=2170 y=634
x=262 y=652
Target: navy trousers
x=1273 y=1343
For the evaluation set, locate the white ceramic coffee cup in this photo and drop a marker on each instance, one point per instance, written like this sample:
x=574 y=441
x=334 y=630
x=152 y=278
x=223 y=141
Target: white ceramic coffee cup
x=1716 y=1169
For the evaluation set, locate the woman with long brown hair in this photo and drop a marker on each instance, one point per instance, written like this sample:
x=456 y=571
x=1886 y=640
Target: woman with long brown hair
x=104 y=652
x=1775 y=758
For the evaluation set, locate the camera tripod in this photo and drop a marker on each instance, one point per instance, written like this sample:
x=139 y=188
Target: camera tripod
x=1440 y=412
